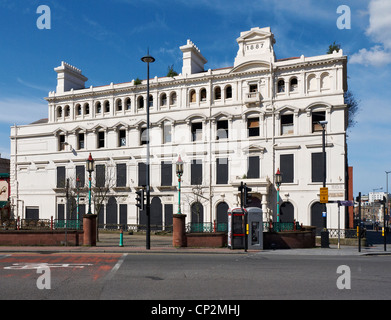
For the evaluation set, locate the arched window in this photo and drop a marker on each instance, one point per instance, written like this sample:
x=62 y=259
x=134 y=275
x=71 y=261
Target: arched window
x=173 y=99
x=118 y=105
x=67 y=111
x=217 y=93
x=193 y=97
x=203 y=95
x=293 y=86
x=86 y=108
x=140 y=102
x=106 y=106
x=98 y=107
x=163 y=100
x=228 y=92
x=281 y=86
x=78 y=110
x=59 y=112
x=127 y=103
x=150 y=100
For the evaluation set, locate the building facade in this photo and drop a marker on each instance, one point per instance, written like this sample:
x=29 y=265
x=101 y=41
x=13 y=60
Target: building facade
x=228 y=125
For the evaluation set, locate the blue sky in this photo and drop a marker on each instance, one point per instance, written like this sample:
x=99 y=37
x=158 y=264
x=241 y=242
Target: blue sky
x=106 y=39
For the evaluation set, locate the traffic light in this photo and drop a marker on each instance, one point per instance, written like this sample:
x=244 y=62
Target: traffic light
x=140 y=199
x=247 y=195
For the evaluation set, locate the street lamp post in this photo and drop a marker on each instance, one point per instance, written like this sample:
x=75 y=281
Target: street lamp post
x=148 y=59
x=324 y=233
x=179 y=173
x=278 y=184
x=90 y=169
x=78 y=201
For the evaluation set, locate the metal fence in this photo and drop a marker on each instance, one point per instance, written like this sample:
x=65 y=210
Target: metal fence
x=281 y=226
x=197 y=227
x=345 y=233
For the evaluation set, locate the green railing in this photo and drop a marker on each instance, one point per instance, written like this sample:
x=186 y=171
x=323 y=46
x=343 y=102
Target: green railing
x=199 y=227
x=281 y=226
x=67 y=224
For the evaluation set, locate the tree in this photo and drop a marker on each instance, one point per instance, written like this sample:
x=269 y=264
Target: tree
x=353 y=108
x=333 y=47
x=171 y=72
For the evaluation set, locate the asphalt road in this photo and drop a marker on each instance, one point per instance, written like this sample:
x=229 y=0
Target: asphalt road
x=186 y=276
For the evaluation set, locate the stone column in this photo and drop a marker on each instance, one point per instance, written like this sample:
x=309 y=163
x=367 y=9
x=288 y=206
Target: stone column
x=89 y=228
x=179 y=231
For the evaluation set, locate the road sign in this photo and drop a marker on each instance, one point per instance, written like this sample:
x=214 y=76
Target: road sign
x=346 y=203
x=324 y=195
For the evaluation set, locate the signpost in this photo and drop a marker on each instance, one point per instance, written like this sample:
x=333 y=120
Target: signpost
x=324 y=195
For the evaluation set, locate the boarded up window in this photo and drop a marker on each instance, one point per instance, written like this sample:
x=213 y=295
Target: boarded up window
x=142 y=171
x=121 y=175
x=316 y=117
x=32 y=213
x=193 y=97
x=287 y=124
x=253 y=167
x=253 y=127
x=317 y=166
x=81 y=175
x=287 y=168
x=100 y=175
x=222 y=171
x=166 y=173
x=196 y=172
x=60 y=177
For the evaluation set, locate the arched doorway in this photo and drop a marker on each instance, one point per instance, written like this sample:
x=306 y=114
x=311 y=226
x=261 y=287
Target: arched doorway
x=317 y=217
x=222 y=217
x=287 y=212
x=197 y=212
x=255 y=202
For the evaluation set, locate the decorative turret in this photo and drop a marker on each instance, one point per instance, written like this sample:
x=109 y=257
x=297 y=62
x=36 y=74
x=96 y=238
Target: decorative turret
x=69 y=77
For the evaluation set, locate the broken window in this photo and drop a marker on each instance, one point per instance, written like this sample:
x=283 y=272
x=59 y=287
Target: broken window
x=287 y=124
x=316 y=117
x=253 y=127
x=222 y=129
x=196 y=131
x=293 y=85
x=281 y=86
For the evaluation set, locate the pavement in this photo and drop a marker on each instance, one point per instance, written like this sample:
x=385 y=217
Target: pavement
x=109 y=243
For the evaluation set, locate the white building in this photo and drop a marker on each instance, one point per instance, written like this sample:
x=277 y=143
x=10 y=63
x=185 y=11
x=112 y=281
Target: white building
x=239 y=123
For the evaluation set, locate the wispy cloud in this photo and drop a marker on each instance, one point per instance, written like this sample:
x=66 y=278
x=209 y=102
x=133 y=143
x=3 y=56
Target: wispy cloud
x=21 y=111
x=33 y=86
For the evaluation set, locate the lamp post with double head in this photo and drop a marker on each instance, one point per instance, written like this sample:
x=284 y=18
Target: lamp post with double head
x=148 y=59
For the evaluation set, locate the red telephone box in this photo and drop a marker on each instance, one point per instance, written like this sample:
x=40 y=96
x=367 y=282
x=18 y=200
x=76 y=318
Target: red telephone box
x=236 y=228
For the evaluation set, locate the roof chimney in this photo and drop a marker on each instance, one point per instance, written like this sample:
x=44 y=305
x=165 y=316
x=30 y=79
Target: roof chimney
x=69 y=77
x=193 y=60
